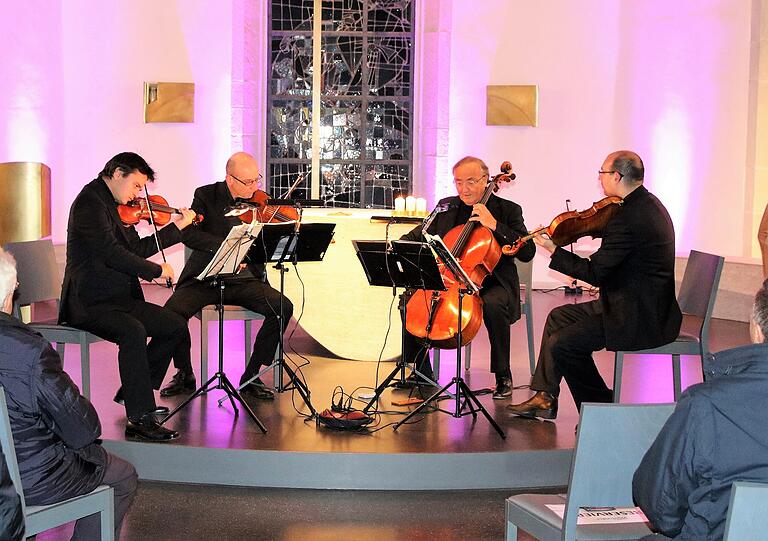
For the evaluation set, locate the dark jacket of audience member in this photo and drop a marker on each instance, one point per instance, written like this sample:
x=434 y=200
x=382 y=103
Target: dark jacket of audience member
x=11 y=514
x=54 y=427
x=717 y=434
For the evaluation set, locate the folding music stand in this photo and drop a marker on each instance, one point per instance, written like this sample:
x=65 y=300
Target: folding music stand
x=471 y=404
x=225 y=264
x=279 y=243
x=405 y=264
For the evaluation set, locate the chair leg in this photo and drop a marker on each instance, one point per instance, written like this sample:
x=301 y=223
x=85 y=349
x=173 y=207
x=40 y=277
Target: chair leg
x=436 y=363
x=248 y=343
x=676 y=376
x=617 y=370
x=85 y=367
x=531 y=345
x=467 y=356
x=107 y=516
x=203 y=347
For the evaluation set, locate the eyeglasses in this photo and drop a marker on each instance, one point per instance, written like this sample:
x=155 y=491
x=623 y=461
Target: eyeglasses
x=248 y=181
x=601 y=172
x=471 y=182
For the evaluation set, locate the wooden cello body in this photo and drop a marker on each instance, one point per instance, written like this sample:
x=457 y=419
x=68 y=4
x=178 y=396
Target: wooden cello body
x=433 y=316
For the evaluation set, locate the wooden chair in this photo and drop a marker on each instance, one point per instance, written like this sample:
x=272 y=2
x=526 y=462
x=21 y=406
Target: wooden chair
x=525 y=273
x=39 y=281
x=698 y=292
x=39 y=518
x=610 y=444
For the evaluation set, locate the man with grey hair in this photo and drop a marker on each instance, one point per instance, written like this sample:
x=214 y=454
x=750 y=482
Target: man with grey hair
x=55 y=430
x=501 y=288
x=717 y=434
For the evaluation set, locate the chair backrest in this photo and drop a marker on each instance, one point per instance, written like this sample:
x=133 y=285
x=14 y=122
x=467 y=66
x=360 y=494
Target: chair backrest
x=698 y=289
x=9 y=450
x=747 y=518
x=37 y=270
x=611 y=442
x=525 y=273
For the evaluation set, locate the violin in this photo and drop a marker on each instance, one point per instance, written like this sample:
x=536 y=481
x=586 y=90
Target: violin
x=134 y=211
x=570 y=226
x=257 y=207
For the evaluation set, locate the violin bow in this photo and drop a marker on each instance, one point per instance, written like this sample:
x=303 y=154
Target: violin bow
x=168 y=282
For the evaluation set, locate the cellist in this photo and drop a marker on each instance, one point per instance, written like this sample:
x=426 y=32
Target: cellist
x=501 y=289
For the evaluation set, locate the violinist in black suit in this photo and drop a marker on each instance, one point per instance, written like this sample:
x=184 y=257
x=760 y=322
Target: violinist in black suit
x=501 y=289
x=249 y=289
x=635 y=271
x=101 y=292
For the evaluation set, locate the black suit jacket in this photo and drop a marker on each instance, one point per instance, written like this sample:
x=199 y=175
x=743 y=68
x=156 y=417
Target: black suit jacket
x=205 y=238
x=635 y=271
x=105 y=259
x=509 y=228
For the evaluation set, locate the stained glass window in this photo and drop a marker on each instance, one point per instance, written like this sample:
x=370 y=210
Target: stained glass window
x=365 y=118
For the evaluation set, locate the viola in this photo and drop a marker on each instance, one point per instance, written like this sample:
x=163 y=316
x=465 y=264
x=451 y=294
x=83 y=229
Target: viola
x=570 y=226
x=134 y=211
x=432 y=315
x=264 y=213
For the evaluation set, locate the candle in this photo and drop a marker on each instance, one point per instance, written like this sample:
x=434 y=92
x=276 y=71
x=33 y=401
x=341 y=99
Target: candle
x=410 y=205
x=399 y=206
x=421 y=206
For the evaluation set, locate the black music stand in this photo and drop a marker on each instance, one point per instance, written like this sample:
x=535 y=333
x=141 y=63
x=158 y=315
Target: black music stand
x=225 y=264
x=405 y=264
x=281 y=243
x=471 y=404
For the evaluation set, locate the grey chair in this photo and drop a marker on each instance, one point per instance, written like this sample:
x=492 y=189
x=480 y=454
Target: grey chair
x=209 y=313
x=747 y=518
x=39 y=518
x=525 y=273
x=611 y=441
x=39 y=281
x=698 y=292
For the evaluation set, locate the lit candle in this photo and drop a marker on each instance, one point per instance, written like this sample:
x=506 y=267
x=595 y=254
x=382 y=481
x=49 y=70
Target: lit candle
x=399 y=206
x=421 y=206
x=410 y=205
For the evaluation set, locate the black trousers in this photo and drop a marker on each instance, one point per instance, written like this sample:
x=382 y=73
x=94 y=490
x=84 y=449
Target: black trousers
x=142 y=366
x=497 y=319
x=571 y=334
x=122 y=477
x=250 y=293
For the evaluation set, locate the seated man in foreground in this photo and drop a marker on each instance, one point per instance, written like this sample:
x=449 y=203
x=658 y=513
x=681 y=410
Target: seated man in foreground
x=717 y=434
x=55 y=429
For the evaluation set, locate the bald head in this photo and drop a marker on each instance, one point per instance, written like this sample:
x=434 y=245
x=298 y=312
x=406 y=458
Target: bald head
x=628 y=164
x=243 y=175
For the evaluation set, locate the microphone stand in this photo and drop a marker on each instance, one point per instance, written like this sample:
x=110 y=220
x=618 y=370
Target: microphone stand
x=573 y=288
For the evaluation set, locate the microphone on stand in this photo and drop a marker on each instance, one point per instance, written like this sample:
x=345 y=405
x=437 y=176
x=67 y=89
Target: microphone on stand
x=574 y=288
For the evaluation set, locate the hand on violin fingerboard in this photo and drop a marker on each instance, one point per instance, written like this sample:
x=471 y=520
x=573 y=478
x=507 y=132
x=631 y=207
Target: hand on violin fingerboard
x=544 y=241
x=184 y=218
x=480 y=213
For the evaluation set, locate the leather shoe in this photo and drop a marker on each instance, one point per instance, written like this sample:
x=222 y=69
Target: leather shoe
x=159 y=410
x=542 y=405
x=503 y=389
x=257 y=389
x=146 y=428
x=183 y=381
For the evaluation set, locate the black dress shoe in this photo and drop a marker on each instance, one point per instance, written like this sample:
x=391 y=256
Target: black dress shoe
x=183 y=381
x=542 y=405
x=159 y=410
x=146 y=428
x=257 y=389
x=503 y=389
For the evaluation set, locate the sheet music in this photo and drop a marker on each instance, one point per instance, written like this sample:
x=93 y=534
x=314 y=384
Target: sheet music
x=232 y=250
x=447 y=258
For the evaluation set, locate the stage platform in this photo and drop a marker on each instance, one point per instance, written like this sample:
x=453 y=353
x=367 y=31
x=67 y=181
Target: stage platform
x=438 y=452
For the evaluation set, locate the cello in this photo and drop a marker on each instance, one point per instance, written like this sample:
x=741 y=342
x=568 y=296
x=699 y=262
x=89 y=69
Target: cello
x=431 y=315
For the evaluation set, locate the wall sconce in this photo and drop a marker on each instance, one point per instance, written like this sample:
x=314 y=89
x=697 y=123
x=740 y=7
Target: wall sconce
x=169 y=102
